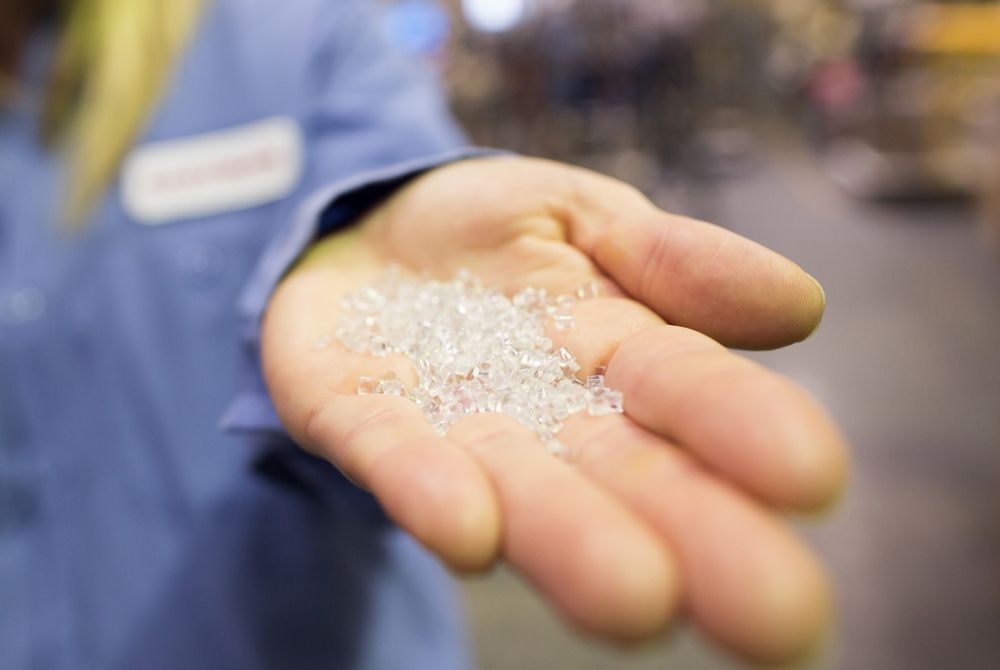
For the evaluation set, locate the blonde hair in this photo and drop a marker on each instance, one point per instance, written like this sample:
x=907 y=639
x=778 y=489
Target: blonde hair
x=114 y=60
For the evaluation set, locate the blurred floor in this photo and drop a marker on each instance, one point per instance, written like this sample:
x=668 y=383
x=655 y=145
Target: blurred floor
x=908 y=361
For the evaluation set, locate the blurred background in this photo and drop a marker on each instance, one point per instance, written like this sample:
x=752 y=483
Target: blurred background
x=862 y=139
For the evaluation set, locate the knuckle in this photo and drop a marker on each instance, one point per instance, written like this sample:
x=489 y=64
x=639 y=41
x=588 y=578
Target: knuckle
x=484 y=432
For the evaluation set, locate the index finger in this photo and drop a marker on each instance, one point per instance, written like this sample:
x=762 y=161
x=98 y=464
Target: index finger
x=693 y=273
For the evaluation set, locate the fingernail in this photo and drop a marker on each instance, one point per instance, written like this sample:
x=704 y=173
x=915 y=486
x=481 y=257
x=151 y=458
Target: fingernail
x=819 y=287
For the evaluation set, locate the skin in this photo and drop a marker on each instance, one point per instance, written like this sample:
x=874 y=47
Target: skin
x=673 y=509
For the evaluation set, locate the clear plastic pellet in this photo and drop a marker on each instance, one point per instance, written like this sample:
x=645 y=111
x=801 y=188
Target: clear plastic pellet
x=599 y=407
x=588 y=291
x=564 y=321
x=367 y=386
x=475 y=350
x=615 y=401
x=390 y=387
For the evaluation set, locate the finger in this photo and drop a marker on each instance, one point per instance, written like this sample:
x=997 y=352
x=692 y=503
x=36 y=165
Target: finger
x=606 y=572
x=426 y=484
x=693 y=273
x=747 y=422
x=747 y=581
x=753 y=425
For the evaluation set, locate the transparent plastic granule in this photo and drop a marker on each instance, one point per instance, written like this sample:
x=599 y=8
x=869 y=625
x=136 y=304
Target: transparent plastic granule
x=475 y=351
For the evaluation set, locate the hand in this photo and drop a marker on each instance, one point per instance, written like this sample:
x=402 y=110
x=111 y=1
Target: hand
x=675 y=503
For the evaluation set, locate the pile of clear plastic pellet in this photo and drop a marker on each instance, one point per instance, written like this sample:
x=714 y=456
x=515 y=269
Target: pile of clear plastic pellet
x=476 y=350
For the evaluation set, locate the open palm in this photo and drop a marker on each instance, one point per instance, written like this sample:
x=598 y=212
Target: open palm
x=675 y=503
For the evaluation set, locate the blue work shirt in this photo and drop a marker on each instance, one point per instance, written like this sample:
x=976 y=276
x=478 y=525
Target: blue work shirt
x=153 y=514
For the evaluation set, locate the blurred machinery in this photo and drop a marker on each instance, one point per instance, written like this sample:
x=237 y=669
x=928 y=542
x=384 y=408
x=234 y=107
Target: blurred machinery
x=899 y=97
x=651 y=91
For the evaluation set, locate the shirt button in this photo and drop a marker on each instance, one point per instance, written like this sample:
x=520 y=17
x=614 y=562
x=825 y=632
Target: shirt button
x=202 y=264
x=22 y=305
x=19 y=505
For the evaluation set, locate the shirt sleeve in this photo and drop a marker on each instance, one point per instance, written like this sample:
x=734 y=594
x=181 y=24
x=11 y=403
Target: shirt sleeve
x=374 y=122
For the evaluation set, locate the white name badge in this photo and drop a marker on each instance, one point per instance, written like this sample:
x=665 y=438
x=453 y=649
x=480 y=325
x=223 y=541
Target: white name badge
x=221 y=171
